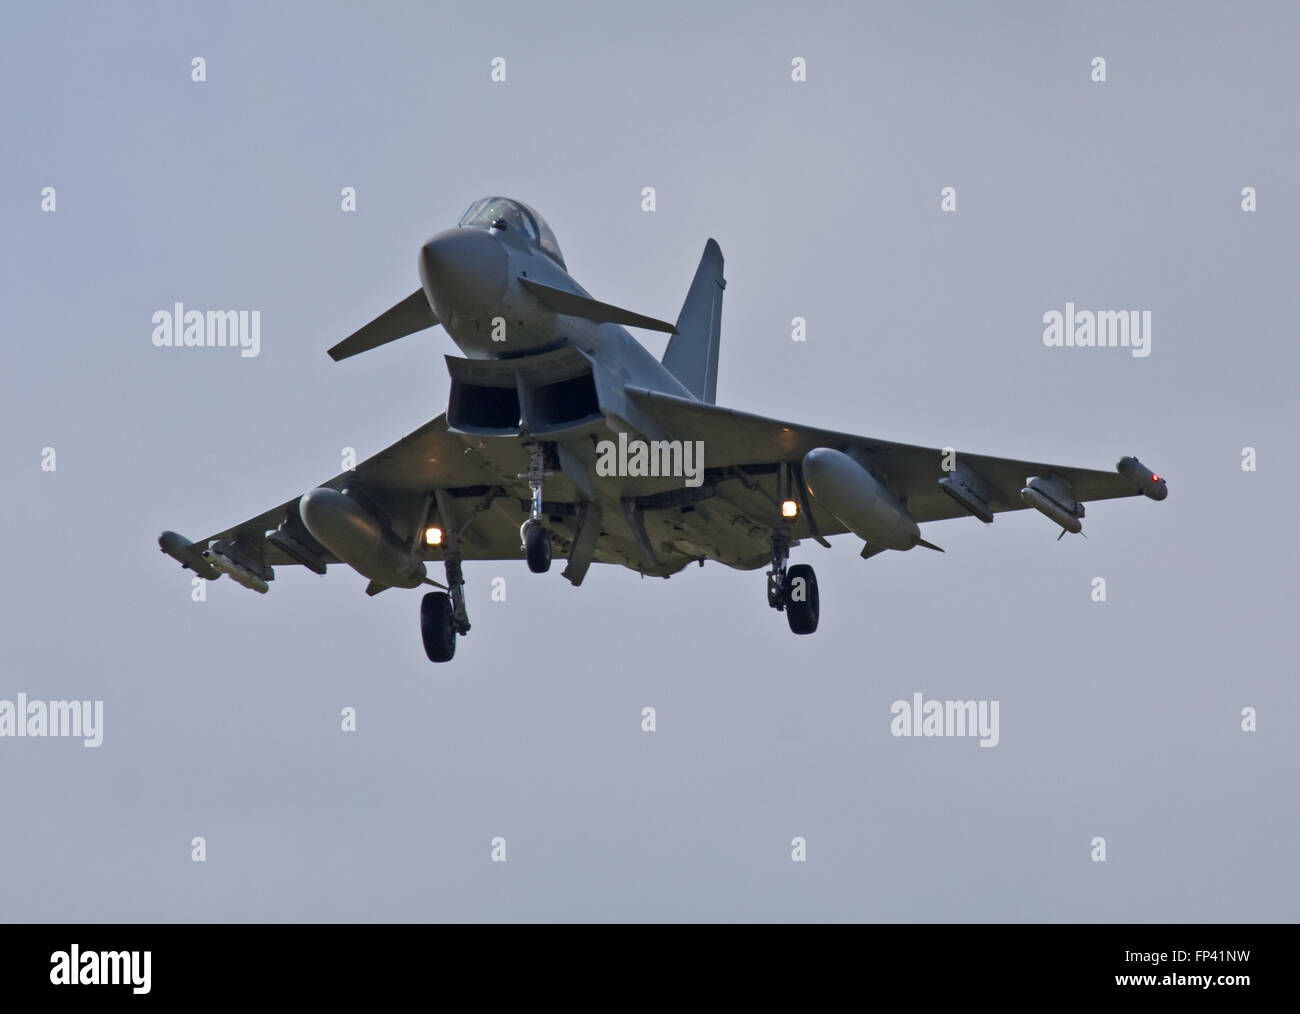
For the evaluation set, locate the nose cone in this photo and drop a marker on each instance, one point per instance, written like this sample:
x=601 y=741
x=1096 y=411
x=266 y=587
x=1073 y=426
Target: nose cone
x=464 y=271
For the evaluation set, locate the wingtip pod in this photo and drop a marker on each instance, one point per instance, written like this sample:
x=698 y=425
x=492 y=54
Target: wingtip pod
x=1147 y=482
x=184 y=552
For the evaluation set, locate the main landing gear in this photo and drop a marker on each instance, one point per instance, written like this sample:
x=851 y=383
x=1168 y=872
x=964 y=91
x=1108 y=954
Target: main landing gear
x=792 y=590
x=443 y=615
x=532 y=533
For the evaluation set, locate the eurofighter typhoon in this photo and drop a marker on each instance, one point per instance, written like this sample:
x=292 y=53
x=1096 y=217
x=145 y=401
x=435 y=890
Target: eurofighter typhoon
x=564 y=436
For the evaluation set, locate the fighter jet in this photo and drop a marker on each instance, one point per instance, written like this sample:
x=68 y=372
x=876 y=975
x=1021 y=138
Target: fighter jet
x=564 y=436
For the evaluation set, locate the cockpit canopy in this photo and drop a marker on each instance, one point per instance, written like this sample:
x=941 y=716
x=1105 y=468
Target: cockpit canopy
x=518 y=216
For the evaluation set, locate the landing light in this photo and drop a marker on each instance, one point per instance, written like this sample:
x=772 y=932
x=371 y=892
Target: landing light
x=433 y=536
x=790 y=509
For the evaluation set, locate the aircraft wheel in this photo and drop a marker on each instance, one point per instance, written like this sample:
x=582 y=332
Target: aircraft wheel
x=436 y=627
x=801 y=603
x=537 y=547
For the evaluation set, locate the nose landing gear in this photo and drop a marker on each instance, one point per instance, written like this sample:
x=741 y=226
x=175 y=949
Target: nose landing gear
x=535 y=539
x=537 y=546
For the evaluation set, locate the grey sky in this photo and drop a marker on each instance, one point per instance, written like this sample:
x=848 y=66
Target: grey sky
x=1119 y=719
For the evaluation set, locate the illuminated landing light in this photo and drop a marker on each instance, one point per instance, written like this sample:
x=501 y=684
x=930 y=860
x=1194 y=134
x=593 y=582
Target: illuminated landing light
x=433 y=536
x=790 y=509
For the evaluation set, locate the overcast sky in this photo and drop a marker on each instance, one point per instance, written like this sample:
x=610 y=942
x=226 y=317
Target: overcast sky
x=1119 y=719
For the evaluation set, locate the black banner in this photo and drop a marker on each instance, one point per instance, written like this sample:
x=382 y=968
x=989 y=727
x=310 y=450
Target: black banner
x=977 y=963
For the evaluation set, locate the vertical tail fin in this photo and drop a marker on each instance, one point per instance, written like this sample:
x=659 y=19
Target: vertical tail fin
x=692 y=355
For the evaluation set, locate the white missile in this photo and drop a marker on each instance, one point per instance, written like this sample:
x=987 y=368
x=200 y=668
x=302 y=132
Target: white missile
x=236 y=571
x=1050 y=499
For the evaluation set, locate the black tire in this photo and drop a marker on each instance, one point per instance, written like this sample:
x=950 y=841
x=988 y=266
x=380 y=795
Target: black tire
x=537 y=547
x=802 y=605
x=436 y=627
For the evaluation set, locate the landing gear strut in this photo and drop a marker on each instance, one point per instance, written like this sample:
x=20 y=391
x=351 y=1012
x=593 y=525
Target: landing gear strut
x=533 y=535
x=776 y=576
x=792 y=591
